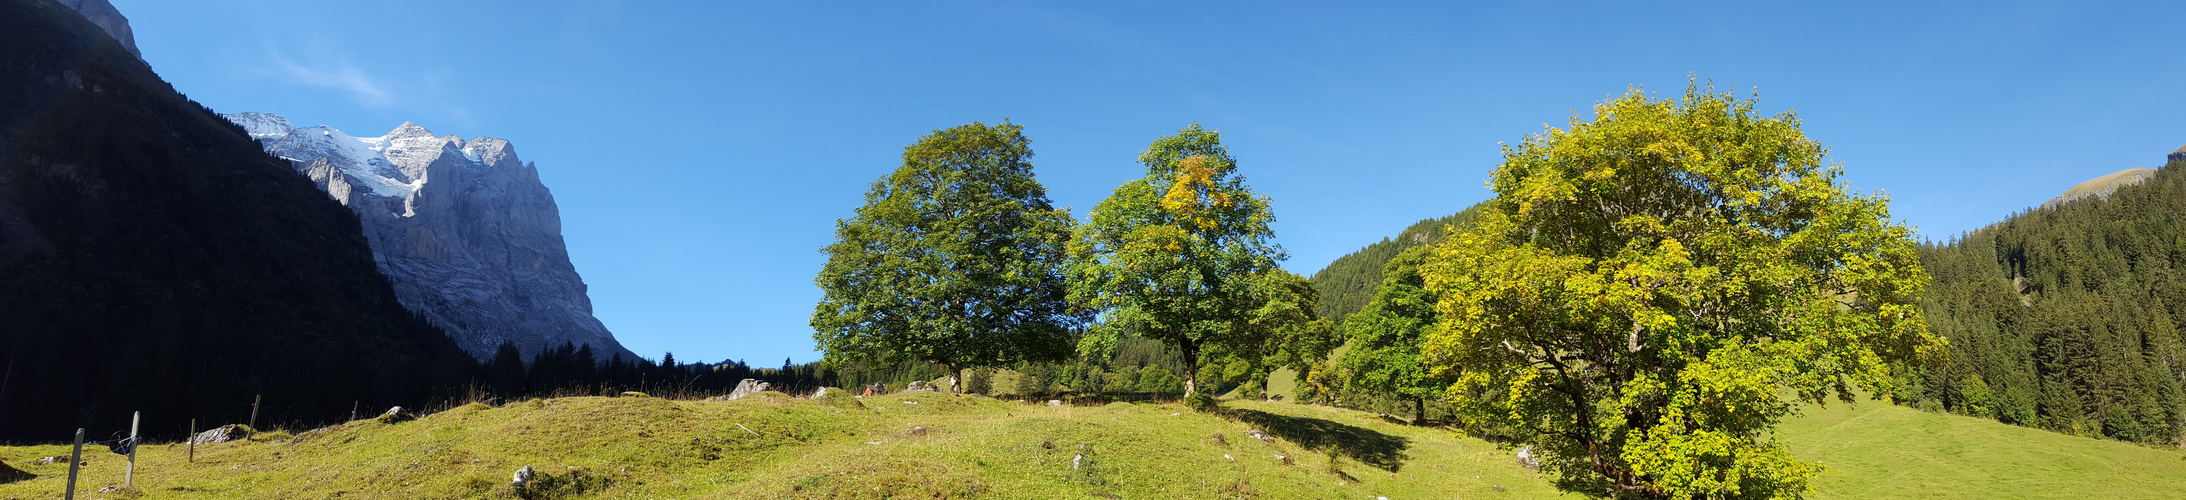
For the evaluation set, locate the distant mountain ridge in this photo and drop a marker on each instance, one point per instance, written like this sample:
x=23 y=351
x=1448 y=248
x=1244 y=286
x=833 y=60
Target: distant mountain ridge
x=470 y=236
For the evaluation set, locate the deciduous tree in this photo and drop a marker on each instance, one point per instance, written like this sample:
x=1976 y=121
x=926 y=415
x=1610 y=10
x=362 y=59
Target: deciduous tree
x=956 y=258
x=1177 y=254
x=1385 y=337
x=1650 y=285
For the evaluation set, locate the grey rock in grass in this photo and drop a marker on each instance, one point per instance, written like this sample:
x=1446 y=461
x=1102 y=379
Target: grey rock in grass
x=746 y=388
x=521 y=478
x=220 y=434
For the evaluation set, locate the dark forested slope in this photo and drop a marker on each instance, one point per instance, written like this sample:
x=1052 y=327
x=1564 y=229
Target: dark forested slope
x=1347 y=284
x=2068 y=318
x=153 y=258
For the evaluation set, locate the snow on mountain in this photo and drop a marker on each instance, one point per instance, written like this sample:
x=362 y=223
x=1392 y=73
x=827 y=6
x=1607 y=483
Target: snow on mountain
x=468 y=234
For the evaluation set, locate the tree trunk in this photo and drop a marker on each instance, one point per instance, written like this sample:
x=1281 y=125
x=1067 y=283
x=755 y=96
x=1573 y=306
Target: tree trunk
x=1191 y=366
x=1419 y=411
x=956 y=378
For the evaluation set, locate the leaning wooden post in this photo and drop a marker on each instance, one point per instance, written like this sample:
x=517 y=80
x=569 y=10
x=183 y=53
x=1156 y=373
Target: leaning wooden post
x=192 y=440
x=74 y=458
x=254 y=400
x=129 y=475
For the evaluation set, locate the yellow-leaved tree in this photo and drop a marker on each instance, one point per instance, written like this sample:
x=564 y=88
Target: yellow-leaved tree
x=1652 y=290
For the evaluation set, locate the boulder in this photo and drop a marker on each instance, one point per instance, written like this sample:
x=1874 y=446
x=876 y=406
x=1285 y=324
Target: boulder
x=921 y=385
x=521 y=478
x=916 y=431
x=746 y=388
x=1054 y=402
x=875 y=390
x=819 y=393
x=394 y=415
x=220 y=434
x=1262 y=435
x=1528 y=459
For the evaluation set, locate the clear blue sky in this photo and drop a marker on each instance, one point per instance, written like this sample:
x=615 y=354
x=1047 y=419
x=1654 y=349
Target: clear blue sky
x=701 y=151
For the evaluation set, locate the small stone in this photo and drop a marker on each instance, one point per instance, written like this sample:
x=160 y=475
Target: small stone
x=1218 y=439
x=1054 y=402
x=917 y=431
x=521 y=478
x=872 y=443
x=1047 y=445
x=1285 y=459
x=1498 y=488
x=1227 y=456
x=910 y=402
x=1076 y=460
x=634 y=394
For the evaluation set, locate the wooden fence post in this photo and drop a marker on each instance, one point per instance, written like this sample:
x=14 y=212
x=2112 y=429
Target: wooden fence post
x=254 y=400
x=74 y=458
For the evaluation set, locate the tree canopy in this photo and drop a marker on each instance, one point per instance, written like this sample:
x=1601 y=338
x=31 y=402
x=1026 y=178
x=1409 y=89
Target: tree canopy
x=1180 y=254
x=1384 y=338
x=956 y=258
x=1647 y=286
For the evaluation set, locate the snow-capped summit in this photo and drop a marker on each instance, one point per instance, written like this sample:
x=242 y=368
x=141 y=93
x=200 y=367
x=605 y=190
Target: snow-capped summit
x=465 y=230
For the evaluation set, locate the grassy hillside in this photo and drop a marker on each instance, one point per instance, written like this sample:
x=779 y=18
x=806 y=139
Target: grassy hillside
x=836 y=448
x=1876 y=450
x=982 y=447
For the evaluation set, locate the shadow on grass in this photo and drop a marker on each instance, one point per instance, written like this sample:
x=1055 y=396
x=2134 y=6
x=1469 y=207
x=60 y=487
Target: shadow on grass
x=1382 y=451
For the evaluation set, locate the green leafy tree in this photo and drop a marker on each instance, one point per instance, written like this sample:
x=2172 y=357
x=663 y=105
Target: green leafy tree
x=956 y=259
x=1176 y=255
x=1647 y=287
x=1385 y=337
x=1283 y=329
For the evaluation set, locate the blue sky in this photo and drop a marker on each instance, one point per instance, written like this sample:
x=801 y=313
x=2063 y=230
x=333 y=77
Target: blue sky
x=701 y=151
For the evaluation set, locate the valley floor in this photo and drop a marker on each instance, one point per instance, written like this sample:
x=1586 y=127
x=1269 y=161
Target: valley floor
x=929 y=445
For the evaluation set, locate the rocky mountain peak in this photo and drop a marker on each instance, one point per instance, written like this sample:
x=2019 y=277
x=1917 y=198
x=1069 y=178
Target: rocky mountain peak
x=103 y=14
x=470 y=242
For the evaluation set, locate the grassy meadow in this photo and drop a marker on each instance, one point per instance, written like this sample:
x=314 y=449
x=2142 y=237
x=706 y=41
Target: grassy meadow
x=776 y=446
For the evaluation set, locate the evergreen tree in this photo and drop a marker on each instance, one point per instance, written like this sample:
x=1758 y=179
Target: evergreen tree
x=507 y=371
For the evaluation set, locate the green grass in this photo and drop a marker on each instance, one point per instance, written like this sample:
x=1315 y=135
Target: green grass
x=993 y=448
x=1876 y=450
x=833 y=448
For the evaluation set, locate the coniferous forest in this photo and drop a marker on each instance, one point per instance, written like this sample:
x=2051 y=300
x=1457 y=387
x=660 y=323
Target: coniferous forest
x=2067 y=318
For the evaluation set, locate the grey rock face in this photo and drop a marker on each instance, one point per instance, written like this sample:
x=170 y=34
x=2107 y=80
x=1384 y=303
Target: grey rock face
x=468 y=234
x=108 y=18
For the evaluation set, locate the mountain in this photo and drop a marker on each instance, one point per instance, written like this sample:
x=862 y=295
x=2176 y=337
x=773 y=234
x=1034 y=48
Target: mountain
x=1349 y=282
x=153 y=258
x=2101 y=187
x=468 y=233
x=103 y=14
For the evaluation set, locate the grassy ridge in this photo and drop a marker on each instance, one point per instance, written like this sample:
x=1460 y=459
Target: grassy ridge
x=989 y=448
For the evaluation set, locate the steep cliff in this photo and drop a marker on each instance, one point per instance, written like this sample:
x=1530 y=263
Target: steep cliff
x=468 y=233
x=106 y=17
